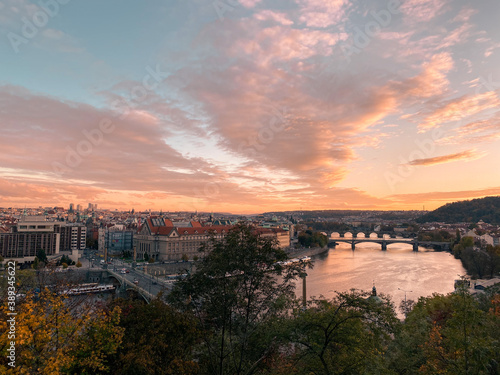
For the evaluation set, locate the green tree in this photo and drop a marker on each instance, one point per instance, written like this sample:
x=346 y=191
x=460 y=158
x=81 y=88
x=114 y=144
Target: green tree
x=42 y=257
x=79 y=264
x=447 y=335
x=158 y=340
x=236 y=290
x=310 y=238
x=347 y=335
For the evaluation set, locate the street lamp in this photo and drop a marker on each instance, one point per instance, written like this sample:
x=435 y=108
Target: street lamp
x=406 y=307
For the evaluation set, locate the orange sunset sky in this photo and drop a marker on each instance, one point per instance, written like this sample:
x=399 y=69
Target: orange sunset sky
x=249 y=106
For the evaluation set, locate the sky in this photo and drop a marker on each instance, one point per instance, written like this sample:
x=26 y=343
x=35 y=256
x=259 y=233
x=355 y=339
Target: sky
x=247 y=106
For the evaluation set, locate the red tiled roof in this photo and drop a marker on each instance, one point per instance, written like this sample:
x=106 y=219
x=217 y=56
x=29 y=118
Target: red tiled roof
x=205 y=230
x=197 y=228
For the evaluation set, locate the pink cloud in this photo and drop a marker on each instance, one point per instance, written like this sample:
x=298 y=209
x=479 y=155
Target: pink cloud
x=274 y=16
x=422 y=10
x=322 y=13
x=249 y=3
x=460 y=108
x=476 y=132
x=459 y=156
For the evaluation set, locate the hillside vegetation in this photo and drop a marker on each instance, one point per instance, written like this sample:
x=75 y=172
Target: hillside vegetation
x=486 y=209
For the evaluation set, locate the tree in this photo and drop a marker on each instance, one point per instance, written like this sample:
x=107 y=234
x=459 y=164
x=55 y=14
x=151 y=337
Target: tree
x=184 y=258
x=36 y=264
x=446 y=335
x=158 y=340
x=79 y=264
x=309 y=238
x=42 y=257
x=51 y=338
x=234 y=293
x=347 y=335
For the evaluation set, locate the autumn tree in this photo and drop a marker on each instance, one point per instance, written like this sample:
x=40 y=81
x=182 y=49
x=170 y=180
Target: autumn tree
x=53 y=339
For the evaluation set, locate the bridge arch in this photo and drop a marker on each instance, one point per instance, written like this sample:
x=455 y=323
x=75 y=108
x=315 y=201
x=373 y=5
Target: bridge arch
x=335 y=235
x=129 y=286
x=116 y=280
x=361 y=235
x=373 y=235
x=348 y=235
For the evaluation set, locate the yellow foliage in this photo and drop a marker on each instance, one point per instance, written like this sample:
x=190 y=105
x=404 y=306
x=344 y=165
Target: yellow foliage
x=49 y=335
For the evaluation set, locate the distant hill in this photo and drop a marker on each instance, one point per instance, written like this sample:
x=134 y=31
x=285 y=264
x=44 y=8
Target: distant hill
x=486 y=209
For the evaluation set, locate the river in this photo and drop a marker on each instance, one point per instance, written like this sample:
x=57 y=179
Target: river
x=419 y=273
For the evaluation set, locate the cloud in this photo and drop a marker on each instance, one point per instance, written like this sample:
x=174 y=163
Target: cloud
x=249 y=3
x=322 y=13
x=274 y=16
x=422 y=11
x=464 y=155
x=460 y=108
x=432 y=81
x=475 y=132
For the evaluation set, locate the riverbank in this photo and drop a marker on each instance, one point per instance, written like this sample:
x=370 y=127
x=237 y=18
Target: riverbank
x=299 y=253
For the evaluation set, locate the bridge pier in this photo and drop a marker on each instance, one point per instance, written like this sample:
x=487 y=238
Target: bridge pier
x=415 y=246
x=353 y=245
x=384 y=246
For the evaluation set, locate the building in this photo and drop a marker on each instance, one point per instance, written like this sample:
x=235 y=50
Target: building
x=73 y=236
x=30 y=235
x=116 y=239
x=281 y=235
x=162 y=240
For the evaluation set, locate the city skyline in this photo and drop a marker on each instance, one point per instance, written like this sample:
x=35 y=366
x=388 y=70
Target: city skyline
x=249 y=106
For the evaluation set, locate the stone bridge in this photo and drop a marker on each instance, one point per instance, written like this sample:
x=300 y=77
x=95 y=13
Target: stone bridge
x=126 y=284
x=387 y=241
x=368 y=234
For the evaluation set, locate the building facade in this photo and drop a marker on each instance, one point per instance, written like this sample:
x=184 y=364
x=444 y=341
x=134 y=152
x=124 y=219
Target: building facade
x=162 y=240
x=116 y=241
x=282 y=236
x=72 y=236
x=30 y=235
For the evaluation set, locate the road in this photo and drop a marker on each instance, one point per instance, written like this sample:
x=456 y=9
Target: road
x=147 y=282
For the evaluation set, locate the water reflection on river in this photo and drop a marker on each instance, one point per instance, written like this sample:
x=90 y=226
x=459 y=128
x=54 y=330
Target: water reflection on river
x=423 y=273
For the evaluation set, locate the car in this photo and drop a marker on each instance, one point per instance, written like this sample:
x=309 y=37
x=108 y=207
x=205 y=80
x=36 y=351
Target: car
x=127 y=271
x=136 y=282
x=123 y=271
x=154 y=282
